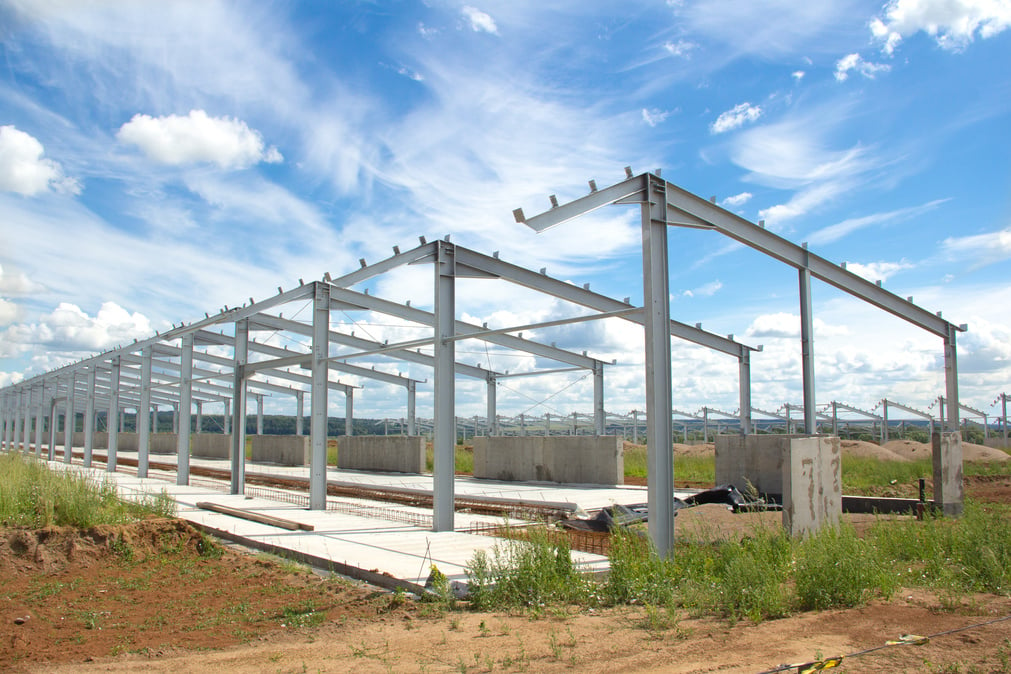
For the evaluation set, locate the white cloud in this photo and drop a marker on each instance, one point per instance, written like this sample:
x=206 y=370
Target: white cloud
x=798 y=75
x=9 y=312
x=196 y=138
x=654 y=116
x=787 y=325
x=706 y=290
x=954 y=24
x=681 y=48
x=735 y=118
x=856 y=63
x=979 y=250
x=68 y=328
x=23 y=169
x=736 y=200
x=878 y=271
x=479 y=21
x=16 y=283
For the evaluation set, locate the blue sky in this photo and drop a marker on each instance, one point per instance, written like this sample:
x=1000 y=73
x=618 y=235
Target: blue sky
x=160 y=160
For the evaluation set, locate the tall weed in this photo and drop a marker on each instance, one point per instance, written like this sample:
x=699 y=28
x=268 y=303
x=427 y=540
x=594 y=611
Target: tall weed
x=836 y=569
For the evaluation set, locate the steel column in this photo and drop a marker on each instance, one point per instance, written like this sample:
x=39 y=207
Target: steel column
x=200 y=411
x=349 y=412
x=319 y=395
x=412 y=404
x=53 y=420
x=299 y=412
x=113 y=414
x=444 y=432
x=39 y=419
x=70 y=420
x=659 y=425
x=492 y=405
x=89 y=417
x=744 y=382
x=807 y=350
x=951 y=379
x=143 y=419
x=259 y=414
x=238 y=456
x=185 y=404
x=28 y=419
x=598 y=398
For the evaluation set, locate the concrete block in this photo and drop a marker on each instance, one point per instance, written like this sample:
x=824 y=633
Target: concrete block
x=803 y=471
x=127 y=442
x=566 y=459
x=163 y=443
x=393 y=453
x=949 y=492
x=286 y=450
x=210 y=445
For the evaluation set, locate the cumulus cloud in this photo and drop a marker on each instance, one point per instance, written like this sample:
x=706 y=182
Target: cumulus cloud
x=479 y=21
x=954 y=24
x=798 y=75
x=196 y=138
x=654 y=116
x=787 y=325
x=23 y=169
x=736 y=200
x=736 y=118
x=979 y=250
x=68 y=328
x=856 y=63
x=878 y=271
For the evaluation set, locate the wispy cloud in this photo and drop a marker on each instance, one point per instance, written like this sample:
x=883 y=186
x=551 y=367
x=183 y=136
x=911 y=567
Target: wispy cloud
x=878 y=271
x=847 y=227
x=736 y=200
x=954 y=25
x=654 y=116
x=706 y=290
x=680 y=48
x=856 y=63
x=979 y=250
x=735 y=118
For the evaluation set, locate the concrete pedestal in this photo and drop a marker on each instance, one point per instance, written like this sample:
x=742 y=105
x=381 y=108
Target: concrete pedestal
x=949 y=492
x=804 y=471
x=569 y=459
x=393 y=453
x=210 y=445
x=287 y=450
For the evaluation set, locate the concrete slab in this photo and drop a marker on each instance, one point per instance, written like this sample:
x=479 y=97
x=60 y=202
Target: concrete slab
x=380 y=548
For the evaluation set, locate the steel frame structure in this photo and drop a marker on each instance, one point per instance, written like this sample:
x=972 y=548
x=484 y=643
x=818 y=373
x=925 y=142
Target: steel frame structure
x=663 y=204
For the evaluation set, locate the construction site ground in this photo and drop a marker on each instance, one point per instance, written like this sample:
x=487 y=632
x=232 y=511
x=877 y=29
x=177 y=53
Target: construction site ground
x=80 y=601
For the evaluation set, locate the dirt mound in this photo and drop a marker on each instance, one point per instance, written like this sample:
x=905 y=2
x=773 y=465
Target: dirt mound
x=861 y=449
x=53 y=548
x=912 y=451
x=707 y=449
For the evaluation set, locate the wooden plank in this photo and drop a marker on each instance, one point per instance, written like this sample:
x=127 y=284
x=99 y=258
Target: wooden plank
x=290 y=525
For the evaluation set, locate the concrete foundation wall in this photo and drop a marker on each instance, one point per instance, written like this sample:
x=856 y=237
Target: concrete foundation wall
x=127 y=442
x=210 y=445
x=998 y=443
x=393 y=453
x=804 y=471
x=286 y=450
x=580 y=459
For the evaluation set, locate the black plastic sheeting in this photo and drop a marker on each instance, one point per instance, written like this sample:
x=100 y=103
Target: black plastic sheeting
x=625 y=515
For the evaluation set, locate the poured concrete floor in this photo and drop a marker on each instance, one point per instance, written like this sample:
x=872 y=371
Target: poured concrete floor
x=384 y=543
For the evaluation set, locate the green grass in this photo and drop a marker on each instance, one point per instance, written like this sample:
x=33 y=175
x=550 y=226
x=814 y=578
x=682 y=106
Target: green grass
x=694 y=469
x=765 y=575
x=32 y=495
x=463 y=458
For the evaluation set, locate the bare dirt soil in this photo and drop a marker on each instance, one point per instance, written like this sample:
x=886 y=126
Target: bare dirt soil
x=149 y=597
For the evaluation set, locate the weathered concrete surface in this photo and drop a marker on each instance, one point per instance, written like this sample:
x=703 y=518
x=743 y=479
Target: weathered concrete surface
x=949 y=491
x=210 y=445
x=579 y=459
x=390 y=453
x=286 y=450
x=998 y=443
x=804 y=471
x=164 y=443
